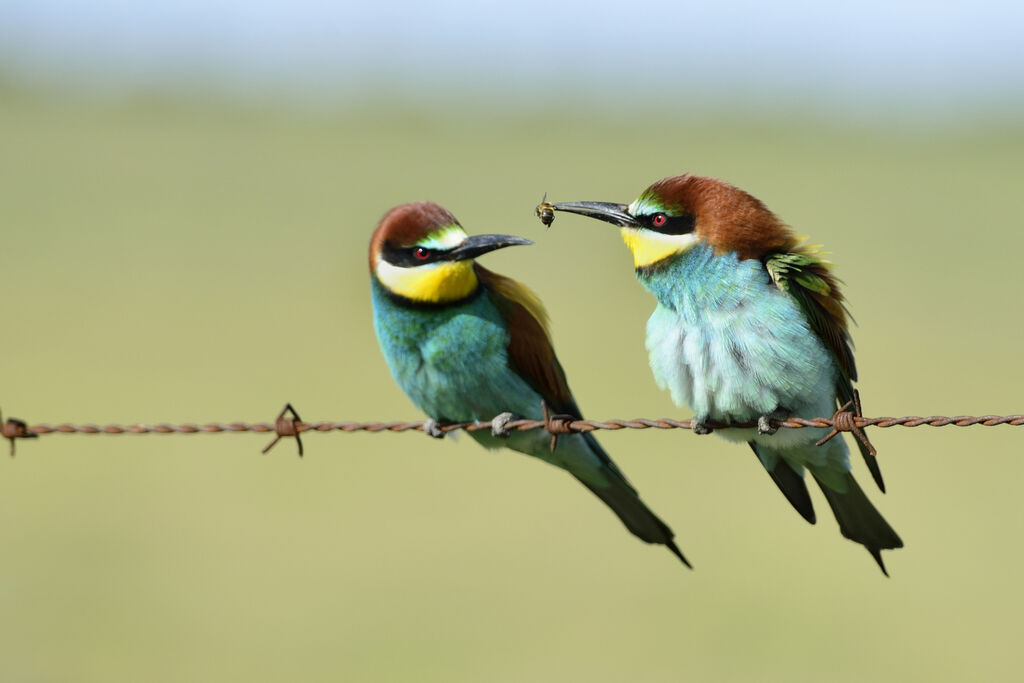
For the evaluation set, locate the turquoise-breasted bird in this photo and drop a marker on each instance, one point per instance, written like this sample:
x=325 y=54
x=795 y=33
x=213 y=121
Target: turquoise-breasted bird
x=466 y=344
x=750 y=326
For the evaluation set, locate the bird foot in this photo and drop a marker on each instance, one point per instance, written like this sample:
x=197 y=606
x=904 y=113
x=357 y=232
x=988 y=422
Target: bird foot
x=699 y=426
x=432 y=427
x=764 y=423
x=499 y=425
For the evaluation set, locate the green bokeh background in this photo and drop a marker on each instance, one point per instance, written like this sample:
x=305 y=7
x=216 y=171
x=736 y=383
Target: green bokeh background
x=192 y=260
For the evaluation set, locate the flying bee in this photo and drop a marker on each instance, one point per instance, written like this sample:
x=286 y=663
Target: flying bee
x=545 y=211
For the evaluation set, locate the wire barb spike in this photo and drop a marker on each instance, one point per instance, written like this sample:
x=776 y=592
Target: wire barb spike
x=557 y=424
x=285 y=426
x=13 y=429
x=845 y=421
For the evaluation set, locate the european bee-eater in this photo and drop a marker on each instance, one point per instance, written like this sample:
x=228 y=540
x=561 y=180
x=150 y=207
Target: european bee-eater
x=466 y=344
x=750 y=326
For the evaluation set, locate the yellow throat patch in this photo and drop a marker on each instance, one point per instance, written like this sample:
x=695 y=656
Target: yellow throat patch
x=650 y=247
x=435 y=283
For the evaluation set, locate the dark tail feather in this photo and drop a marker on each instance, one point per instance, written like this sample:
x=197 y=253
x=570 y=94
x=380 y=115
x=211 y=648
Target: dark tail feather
x=859 y=521
x=626 y=504
x=637 y=517
x=792 y=486
x=872 y=463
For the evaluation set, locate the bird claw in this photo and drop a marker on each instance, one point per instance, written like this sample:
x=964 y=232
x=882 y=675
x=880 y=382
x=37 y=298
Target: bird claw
x=432 y=427
x=499 y=425
x=765 y=427
x=701 y=427
x=764 y=422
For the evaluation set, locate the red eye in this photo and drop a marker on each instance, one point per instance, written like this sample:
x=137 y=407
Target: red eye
x=659 y=220
x=422 y=253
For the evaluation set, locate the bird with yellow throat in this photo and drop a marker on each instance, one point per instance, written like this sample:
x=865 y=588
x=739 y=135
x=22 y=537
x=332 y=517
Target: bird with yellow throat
x=467 y=344
x=750 y=326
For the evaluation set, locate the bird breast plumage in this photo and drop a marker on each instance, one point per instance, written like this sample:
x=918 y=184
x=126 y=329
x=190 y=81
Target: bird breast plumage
x=452 y=361
x=728 y=343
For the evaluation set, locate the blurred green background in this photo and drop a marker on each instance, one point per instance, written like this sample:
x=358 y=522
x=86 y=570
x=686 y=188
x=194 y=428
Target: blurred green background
x=203 y=261
x=178 y=251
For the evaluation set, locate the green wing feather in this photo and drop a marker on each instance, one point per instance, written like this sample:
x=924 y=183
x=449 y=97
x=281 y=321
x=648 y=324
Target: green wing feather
x=806 y=275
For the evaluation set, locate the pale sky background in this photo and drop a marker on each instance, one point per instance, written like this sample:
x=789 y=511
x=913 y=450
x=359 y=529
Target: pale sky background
x=875 y=56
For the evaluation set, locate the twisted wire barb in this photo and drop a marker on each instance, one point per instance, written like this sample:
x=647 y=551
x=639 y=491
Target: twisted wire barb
x=843 y=421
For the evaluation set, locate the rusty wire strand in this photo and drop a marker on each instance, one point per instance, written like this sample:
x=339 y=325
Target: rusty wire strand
x=514 y=425
x=843 y=421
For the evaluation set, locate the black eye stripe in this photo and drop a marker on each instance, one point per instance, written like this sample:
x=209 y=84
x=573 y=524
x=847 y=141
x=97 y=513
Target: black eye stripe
x=673 y=225
x=406 y=256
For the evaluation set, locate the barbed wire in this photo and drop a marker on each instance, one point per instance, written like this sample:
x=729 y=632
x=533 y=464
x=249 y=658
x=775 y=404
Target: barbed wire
x=288 y=424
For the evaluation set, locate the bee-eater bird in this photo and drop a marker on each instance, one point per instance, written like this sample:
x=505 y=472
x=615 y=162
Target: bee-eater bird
x=750 y=326
x=466 y=344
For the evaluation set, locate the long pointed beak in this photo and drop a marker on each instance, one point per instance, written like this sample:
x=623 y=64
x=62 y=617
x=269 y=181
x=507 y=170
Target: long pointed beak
x=476 y=245
x=617 y=214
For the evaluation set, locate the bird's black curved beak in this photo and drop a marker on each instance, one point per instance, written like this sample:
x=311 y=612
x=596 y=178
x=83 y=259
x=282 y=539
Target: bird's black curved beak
x=476 y=245
x=617 y=214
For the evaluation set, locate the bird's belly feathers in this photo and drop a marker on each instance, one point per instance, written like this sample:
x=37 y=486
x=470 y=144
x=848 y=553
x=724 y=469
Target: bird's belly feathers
x=740 y=363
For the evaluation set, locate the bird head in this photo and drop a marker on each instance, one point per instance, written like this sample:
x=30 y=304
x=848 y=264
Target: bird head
x=676 y=213
x=421 y=253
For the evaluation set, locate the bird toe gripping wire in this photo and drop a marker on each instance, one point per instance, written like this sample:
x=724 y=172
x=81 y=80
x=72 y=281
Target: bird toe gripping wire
x=13 y=429
x=701 y=427
x=499 y=425
x=845 y=421
x=285 y=426
x=432 y=427
x=768 y=424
